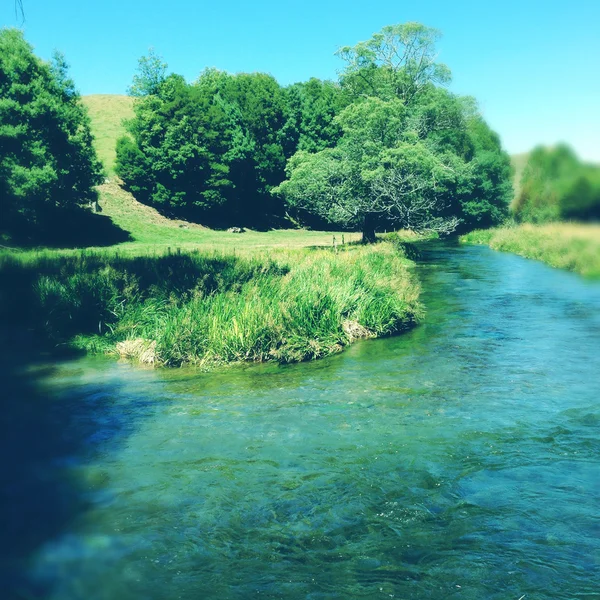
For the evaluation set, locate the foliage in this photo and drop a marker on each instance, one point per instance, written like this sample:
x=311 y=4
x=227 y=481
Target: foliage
x=565 y=246
x=555 y=186
x=152 y=72
x=312 y=107
x=410 y=154
x=397 y=62
x=215 y=308
x=47 y=160
x=175 y=158
x=387 y=146
x=213 y=150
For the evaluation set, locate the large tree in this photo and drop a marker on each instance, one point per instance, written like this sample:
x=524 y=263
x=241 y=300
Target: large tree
x=378 y=173
x=410 y=153
x=175 y=154
x=47 y=160
x=211 y=150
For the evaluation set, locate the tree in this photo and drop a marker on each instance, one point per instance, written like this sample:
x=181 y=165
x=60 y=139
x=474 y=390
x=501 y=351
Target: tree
x=152 y=72
x=211 y=150
x=556 y=185
x=47 y=160
x=398 y=61
x=378 y=173
x=410 y=153
x=175 y=157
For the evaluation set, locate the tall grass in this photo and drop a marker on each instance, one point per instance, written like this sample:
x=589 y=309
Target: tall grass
x=208 y=308
x=575 y=247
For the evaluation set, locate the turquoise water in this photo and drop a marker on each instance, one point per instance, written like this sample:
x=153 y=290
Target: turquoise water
x=460 y=460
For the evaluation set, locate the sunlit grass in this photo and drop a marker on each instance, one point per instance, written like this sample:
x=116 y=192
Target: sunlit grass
x=107 y=112
x=575 y=247
x=213 y=307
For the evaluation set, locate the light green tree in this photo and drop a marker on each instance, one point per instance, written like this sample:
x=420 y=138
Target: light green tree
x=151 y=74
x=399 y=61
x=378 y=173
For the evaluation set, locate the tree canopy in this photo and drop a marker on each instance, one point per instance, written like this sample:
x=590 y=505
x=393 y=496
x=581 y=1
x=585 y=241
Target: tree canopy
x=47 y=160
x=410 y=154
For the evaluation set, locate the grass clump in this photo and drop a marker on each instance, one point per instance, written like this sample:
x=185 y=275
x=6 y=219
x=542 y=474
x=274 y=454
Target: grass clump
x=575 y=247
x=213 y=307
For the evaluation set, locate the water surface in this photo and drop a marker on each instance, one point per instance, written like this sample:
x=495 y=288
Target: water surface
x=458 y=460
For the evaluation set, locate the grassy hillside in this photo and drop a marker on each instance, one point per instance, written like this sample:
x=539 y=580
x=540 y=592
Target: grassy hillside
x=107 y=113
x=151 y=231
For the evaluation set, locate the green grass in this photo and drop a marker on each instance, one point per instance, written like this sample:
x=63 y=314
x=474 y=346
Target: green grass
x=575 y=247
x=212 y=307
x=107 y=113
x=153 y=232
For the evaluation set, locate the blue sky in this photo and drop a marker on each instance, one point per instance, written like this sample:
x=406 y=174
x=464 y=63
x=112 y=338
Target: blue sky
x=534 y=66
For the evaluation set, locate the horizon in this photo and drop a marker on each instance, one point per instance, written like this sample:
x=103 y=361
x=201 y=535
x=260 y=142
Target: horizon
x=537 y=91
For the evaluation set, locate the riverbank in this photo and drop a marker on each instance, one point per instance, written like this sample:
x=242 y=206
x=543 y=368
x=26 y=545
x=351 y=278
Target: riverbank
x=212 y=307
x=574 y=247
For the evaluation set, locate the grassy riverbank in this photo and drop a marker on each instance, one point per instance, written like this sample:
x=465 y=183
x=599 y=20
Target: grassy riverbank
x=575 y=247
x=212 y=307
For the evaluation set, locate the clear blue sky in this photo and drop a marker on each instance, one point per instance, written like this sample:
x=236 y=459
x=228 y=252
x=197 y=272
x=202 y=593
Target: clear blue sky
x=533 y=65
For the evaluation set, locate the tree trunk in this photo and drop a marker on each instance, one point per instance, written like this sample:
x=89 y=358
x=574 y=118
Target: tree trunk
x=368 y=230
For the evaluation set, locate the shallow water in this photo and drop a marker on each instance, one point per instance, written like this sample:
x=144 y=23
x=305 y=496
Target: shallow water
x=459 y=460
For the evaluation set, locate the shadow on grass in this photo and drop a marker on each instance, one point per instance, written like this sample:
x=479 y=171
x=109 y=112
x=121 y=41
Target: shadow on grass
x=69 y=228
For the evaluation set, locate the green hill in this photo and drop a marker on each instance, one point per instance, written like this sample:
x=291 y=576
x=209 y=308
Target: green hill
x=107 y=112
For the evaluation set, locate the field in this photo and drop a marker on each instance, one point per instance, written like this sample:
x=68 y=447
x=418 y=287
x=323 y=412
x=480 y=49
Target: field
x=575 y=247
x=209 y=308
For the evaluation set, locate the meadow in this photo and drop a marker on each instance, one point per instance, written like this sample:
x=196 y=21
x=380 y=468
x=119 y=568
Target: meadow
x=571 y=246
x=107 y=113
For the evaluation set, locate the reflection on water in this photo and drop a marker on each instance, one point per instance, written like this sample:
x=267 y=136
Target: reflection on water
x=458 y=460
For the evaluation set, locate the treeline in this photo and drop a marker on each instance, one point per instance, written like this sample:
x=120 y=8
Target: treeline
x=213 y=150
x=557 y=186
x=386 y=145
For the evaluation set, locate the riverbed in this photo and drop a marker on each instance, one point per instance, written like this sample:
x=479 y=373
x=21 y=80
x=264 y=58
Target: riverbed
x=458 y=460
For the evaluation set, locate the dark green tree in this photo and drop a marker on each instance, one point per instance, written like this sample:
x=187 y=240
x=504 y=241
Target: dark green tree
x=175 y=155
x=47 y=160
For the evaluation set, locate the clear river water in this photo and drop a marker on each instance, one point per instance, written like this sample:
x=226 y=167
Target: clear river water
x=459 y=460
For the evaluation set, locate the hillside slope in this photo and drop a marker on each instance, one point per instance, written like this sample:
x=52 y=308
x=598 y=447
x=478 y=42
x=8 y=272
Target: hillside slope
x=107 y=112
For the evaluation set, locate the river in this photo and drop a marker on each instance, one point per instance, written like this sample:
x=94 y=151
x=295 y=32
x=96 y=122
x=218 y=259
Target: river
x=459 y=460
